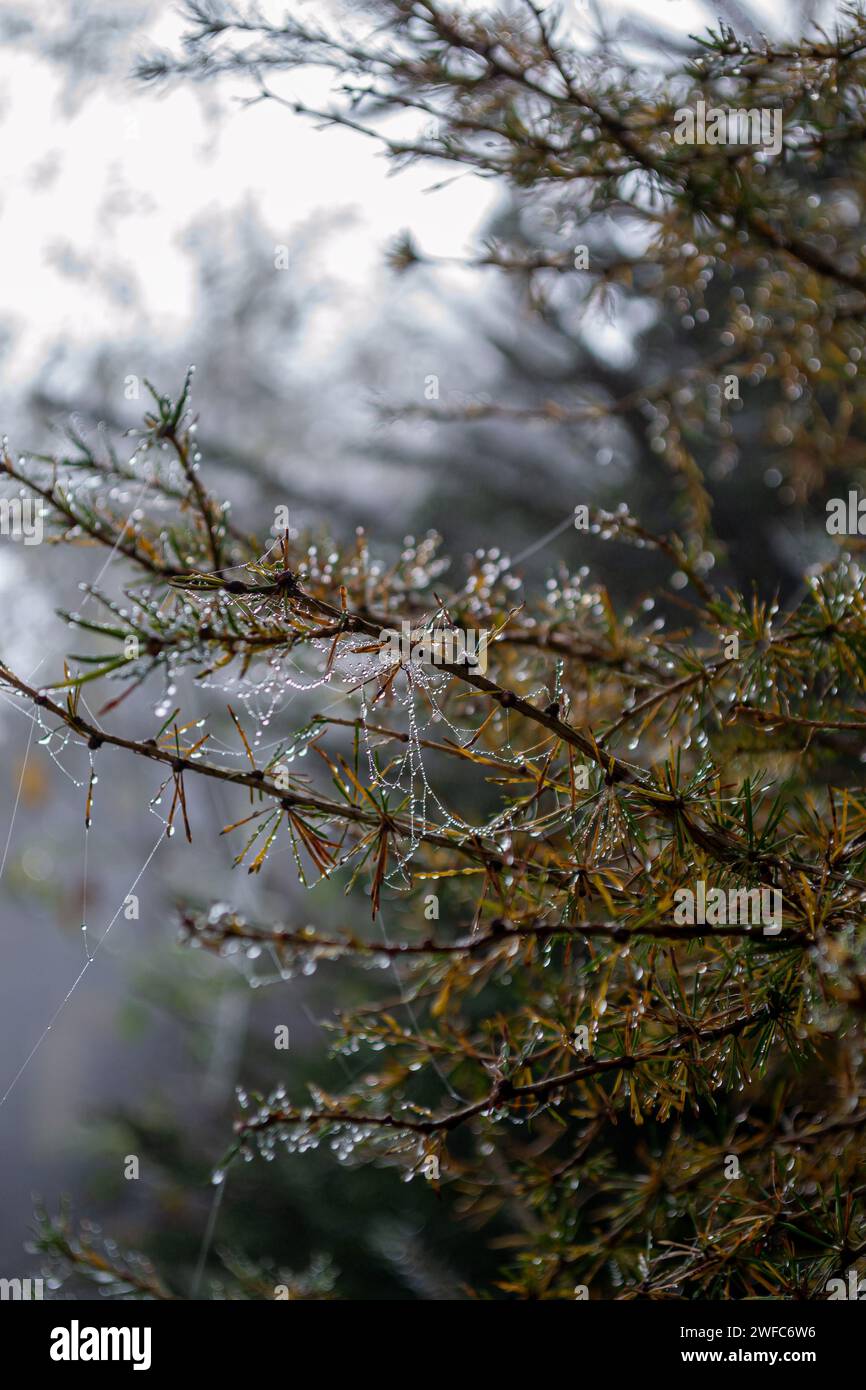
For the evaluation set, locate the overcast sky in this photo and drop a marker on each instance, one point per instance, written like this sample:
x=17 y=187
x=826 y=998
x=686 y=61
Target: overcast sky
x=101 y=178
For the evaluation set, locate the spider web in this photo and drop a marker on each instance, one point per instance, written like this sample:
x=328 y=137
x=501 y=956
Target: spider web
x=265 y=699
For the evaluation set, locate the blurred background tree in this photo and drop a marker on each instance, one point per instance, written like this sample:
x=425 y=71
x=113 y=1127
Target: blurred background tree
x=692 y=272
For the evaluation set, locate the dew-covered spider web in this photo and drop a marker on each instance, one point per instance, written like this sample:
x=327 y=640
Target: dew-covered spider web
x=267 y=695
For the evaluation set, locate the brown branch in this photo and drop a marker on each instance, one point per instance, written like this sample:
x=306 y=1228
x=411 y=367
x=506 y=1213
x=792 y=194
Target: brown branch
x=216 y=934
x=504 y=1091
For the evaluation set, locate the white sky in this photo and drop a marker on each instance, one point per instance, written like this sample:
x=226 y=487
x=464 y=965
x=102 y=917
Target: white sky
x=112 y=184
